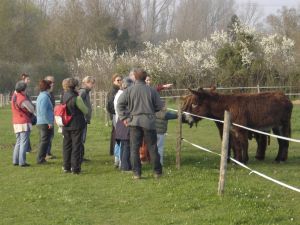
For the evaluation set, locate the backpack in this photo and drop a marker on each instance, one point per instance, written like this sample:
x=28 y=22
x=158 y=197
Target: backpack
x=61 y=115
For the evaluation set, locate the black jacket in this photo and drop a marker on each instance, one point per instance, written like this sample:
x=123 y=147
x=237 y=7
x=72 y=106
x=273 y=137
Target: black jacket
x=78 y=121
x=110 y=100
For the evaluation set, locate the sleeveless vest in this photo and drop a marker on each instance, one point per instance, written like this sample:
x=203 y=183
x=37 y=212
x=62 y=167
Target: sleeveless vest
x=19 y=116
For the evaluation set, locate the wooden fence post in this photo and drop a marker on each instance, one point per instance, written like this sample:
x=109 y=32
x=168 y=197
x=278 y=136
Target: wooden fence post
x=179 y=137
x=258 y=89
x=95 y=100
x=106 y=114
x=224 y=153
x=1 y=100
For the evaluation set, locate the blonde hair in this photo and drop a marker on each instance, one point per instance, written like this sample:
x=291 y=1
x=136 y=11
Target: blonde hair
x=88 y=79
x=69 y=83
x=49 y=77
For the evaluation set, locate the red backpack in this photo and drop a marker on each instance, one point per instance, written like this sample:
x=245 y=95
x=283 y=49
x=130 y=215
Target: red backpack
x=61 y=115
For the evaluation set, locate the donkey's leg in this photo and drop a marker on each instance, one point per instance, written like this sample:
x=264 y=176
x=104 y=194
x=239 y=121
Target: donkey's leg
x=281 y=143
x=236 y=148
x=286 y=132
x=261 y=141
x=243 y=138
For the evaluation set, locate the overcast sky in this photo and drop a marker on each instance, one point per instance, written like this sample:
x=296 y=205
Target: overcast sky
x=271 y=6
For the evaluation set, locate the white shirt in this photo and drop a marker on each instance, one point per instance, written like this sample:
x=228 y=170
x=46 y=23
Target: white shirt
x=115 y=104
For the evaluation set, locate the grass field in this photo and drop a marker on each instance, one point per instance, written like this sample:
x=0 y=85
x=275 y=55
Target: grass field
x=43 y=194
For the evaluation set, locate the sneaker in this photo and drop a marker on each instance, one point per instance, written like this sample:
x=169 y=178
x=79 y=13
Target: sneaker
x=50 y=156
x=65 y=170
x=116 y=164
x=25 y=165
x=136 y=177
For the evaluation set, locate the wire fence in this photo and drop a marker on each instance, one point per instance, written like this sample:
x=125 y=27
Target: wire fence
x=4 y=100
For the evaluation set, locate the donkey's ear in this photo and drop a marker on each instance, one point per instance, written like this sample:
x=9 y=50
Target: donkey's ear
x=194 y=92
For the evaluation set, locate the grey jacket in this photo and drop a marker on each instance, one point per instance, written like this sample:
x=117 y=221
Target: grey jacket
x=84 y=93
x=138 y=105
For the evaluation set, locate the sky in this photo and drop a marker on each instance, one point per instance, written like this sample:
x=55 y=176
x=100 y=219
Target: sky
x=271 y=6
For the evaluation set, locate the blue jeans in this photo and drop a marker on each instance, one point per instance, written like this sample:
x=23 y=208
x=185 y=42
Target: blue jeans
x=21 y=146
x=160 y=146
x=125 y=155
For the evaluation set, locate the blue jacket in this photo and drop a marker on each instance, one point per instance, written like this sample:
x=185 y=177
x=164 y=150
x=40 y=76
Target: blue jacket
x=44 y=109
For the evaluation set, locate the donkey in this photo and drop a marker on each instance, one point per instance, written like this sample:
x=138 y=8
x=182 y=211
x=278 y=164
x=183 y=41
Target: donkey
x=262 y=111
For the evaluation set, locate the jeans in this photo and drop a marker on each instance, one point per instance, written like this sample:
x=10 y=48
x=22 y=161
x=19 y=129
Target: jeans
x=28 y=148
x=160 y=146
x=21 y=146
x=45 y=141
x=72 y=150
x=136 y=138
x=125 y=155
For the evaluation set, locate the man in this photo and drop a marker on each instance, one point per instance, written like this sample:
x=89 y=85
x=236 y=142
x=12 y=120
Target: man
x=84 y=92
x=136 y=108
x=52 y=99
x=117 y=82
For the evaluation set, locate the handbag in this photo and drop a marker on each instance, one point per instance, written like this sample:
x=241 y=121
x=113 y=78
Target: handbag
x=33 y=119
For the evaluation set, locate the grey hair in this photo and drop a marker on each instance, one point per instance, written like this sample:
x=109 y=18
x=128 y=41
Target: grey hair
x=127 y=82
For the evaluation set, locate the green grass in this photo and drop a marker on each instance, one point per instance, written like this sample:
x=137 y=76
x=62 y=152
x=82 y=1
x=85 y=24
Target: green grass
x=42 y=194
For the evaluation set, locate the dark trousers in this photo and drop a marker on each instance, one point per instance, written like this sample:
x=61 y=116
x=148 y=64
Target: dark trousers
x=45 y=139
x=72 y=150
x=112 y=141
x=136 y=138
x=125 y=155
x=50 y=144
x=84 y=132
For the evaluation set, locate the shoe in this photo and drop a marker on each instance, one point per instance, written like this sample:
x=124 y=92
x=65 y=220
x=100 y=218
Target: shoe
x=116 y=164
x=76 y=172
x=157 y=175
x=25 y=165
x=50 y=156
x=66 y=170
x=15 y=164
x=136 y=177
x=43 y=161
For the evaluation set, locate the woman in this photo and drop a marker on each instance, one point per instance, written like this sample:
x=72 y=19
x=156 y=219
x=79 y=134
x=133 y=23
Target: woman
x=72 y=132
x=21 y=113
x=88 y=84
x=116 y=82
x=45 y=119
x=122 y=132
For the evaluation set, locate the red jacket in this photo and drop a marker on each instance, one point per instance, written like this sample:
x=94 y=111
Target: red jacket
x=19 y=116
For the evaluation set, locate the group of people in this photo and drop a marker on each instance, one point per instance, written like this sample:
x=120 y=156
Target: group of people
x=138 y=115
x=25 y=114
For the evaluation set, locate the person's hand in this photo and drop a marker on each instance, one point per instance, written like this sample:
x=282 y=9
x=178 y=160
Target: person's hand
x=50 y=126
x=125 y=123
x=167 y=85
